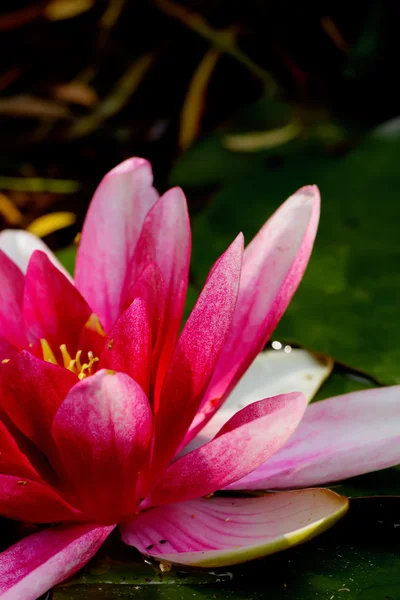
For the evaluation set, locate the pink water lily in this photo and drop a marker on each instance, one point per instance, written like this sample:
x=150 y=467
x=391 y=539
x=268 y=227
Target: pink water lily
x=100 y=394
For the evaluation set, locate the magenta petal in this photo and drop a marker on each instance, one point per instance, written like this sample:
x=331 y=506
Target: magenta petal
x=166 y=241
x=338 y=438
x=13 y=460
x=7 y=350
x=110 y=234
x=129 y=348
x=24 y=499
x=246 y=441
x=102 y=431
x=224 y=531
x=54 y=310
x=31 y=393
x=38 y=562
x=12 y=284
x=196 y=354
x=273 y=265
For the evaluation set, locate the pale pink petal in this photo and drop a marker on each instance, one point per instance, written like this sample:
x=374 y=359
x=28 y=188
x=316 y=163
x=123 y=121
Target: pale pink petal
x=218 y=532
x=31 y=392
x=337 y=438
x=166 y=241
x=102 y=431
x=24 y=499
x=110 y=234
x=19 y=245
x=273 y=265
x=53 y=309
x=246 y=441
x=196 y=354
x=129 y=348
x=12 y=284
x=38 y=562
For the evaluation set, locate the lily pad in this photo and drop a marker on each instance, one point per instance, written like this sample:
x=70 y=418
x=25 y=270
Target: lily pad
x=347 y=304
x=357 y=559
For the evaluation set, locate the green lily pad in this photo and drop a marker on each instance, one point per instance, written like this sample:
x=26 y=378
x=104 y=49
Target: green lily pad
x=347 y=304
x=357 y=559
x=67 y=257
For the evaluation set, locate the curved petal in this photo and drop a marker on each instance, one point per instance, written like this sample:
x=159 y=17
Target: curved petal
x=31 y=392
x=196 y=354
x=13 y=460
x=19 y=245
x=38 y=562
x=273 y=266
x=272 y=373
x=217 y=532
x=12 y=284
x=102 y=431
x=337 y=438
x=128 y=349
x=166 y=241
x=110 y=234
x=53 y=309
x=246 y=441
x=27 y=500
x=7 y=350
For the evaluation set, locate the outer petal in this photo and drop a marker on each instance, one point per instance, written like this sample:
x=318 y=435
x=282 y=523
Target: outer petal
x=13 y=460
x=225 y=531
x=102 y=431
x=196 y=354
x=27 y=500
x=273 y=265
x=37 y=563
x=128 y=349
x=166 y=241
x=31 y=392
x=272 y=373
x=19 y=245
x=11 y=294
x=110 y=233
x=54 y=310
x=338 y=438
x=247 y=440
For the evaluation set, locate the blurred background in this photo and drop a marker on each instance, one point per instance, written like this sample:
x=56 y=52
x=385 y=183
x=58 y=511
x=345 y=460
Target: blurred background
x=238 y=102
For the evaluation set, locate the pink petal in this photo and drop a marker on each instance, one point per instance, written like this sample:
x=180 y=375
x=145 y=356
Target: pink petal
x=11 y=294
x=38 y=562
x=102 y=431
x=13 y=460
x=54 y=310
x=218 y=532
x=273 y=266
x=7 y=350
x=19 y=245
x=31 y=392
x=129 y=348
x=338 y=438
x=166 y=241
x=196 y=354
x=246 y=441
x=24 y=499
x=110 y=233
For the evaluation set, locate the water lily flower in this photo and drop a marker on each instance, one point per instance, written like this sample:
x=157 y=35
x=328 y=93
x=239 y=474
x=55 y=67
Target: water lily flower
x=100 y=395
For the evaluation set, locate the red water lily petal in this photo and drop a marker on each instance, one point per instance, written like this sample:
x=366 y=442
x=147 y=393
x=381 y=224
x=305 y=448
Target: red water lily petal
x=110 y=234
x=102 y=431
x=246 y=441
x=196 y=354
x=13 y=460
x=129 y=346
x=338 y=438
x=53 y=310
x=24 y=499
x=40 y=561
x=31 y=392
x=273 y=266
x=12 y=284
x=217 y=532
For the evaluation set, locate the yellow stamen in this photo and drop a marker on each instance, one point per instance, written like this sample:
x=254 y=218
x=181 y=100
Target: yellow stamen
x=78 y=360
x=87 y=366
x=94 y=324
x=5 y=360
x=66 y=356
x=48 y=355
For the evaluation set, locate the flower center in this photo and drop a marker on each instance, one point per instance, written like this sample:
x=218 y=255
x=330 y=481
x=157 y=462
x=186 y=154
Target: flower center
x=75 y=365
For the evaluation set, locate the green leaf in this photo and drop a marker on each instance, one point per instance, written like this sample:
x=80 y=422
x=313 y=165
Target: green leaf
x=347 y=304
x=67 y=257
x=357 y=559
